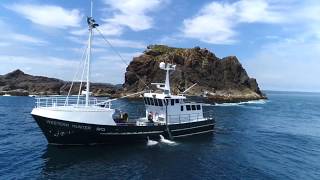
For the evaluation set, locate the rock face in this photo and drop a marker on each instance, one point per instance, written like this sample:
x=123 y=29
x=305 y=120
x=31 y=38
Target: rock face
x=223 y=80
x=21 y=84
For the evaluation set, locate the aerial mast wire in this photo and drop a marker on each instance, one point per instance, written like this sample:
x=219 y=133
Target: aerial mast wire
x=119 y=55
x=76 y=74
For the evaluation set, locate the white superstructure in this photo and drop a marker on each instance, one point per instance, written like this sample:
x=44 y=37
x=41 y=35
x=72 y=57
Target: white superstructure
x=167 y=108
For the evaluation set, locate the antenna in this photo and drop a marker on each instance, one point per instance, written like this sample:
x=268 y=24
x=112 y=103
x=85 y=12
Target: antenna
x=91 y=8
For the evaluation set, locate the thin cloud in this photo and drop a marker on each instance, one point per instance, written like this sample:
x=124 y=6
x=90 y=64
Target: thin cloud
x=79 y=32
x=216 y=22
x=4 y=44
x=27 y=39
x=34 y=60
x=65 y=68
x=10 y=37
x=278 y=66
x=132 y=13
x=115 y=73
x=48 y=15
x=116 y=42
x=110 y=29
x=106 y=29
x=126 y=43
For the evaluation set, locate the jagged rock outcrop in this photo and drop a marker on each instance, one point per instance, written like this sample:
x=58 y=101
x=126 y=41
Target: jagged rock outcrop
x=223 y=80
x=21 y=84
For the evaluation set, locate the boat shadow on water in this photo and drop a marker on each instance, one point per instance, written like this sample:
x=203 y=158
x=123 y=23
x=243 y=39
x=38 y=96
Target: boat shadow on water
x=65 y=159
x=62 y=158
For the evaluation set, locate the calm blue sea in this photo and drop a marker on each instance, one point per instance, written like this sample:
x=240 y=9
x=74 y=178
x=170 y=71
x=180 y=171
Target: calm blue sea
x=274 y=139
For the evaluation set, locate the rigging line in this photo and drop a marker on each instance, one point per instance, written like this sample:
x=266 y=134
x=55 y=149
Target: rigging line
x=110 y=100
x=84 y=67
x=122 y=59
x=76 y=74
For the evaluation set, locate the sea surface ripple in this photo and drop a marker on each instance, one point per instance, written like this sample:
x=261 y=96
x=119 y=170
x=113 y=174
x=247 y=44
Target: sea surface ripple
x=274 y=139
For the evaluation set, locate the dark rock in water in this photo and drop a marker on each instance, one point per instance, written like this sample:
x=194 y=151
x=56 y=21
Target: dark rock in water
x=223 y=80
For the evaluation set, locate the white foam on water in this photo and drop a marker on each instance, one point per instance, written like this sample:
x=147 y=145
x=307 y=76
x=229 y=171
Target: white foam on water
x=206 y=104
x=152 y=142
x=228 y=104
x=261 y=101
x=166 y=141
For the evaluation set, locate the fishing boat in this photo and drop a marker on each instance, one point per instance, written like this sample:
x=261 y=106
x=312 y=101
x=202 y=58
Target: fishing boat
x=86 y=120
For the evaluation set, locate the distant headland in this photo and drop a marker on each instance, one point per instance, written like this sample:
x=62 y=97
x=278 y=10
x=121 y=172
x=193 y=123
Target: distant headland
x=219 y=80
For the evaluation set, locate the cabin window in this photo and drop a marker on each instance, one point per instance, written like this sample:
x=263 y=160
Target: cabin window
x=165 y=101
x=188 y=107
x=198 y=107
x=172 y=102
x=193 y=107
x=181 y=108
x=147 y=101
x=160 y=102
x=151 y=101
x=177 y=101
x=156 y=102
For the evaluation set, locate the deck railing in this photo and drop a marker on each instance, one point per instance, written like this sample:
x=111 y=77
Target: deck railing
x=56 y=101
x=181 y=118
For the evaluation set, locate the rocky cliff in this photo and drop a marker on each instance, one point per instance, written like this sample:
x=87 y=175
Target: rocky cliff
x=21 y=84
x=222 y=80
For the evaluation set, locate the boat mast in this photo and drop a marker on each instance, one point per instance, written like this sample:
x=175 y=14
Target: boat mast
x=168 y=67
x=167 y=83
x=88 y=69
x=91 y=25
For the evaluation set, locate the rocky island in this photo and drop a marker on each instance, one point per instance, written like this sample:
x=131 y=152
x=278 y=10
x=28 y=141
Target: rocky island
x=18 y=83
x=218 y=80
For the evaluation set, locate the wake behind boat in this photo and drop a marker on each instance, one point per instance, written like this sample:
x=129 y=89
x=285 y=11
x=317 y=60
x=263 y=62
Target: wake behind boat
x=83 y=120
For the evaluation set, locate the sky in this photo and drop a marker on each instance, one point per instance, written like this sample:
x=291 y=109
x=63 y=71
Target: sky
x=277 y=41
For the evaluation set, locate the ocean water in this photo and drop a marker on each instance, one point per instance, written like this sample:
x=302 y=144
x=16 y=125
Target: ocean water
x=274 y=139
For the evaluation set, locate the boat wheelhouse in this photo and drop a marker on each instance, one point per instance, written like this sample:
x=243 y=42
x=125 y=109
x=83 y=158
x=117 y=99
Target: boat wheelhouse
x=178 y=110
x=170 y=109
